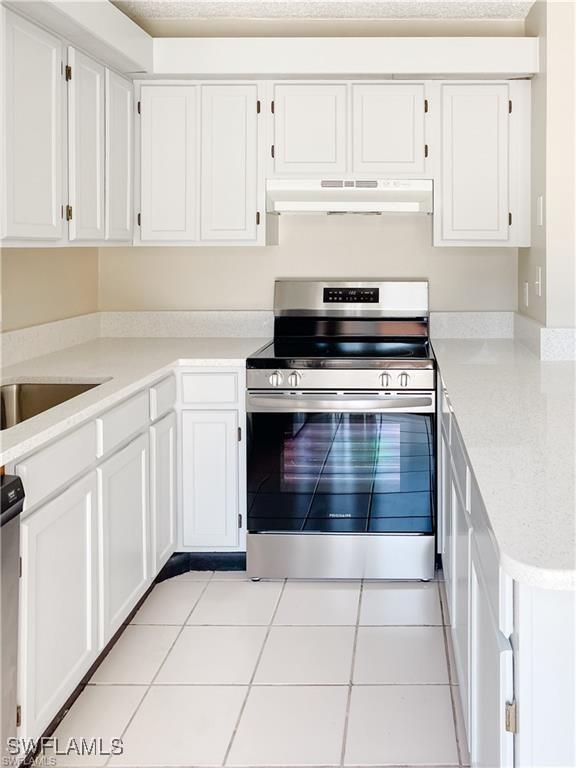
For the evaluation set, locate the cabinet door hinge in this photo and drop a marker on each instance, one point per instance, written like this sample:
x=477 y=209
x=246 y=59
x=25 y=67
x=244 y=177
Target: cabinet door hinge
x=18 y=716
x=139 y=219
x=20 y=565
x=258 y=106
x=68 y=213
x=425 y=150
x=510 y=107
x=509 y=219
x=272 y=150
x=257 y=218
x=139 y=107
x=68 y=72
x=511 y=716
x=272 y=107
x=425 y=105
x=239 y=434
x=239 y=521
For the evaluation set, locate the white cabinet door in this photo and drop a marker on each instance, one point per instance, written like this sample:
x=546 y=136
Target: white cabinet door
x=310 y=135
x=58 y=610
x=85 y=147
x=124 y=534
x=229 y=162
x=474 y=177
x=32 y=193
x=210 y=479
x=461 y=617
x=388 y=128
x=119 y=152
x=448 y=542
x=169 y=163
x=163 y=490
x=491 y=681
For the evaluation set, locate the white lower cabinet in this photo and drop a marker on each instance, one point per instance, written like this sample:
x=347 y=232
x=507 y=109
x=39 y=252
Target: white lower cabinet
x=58 y=610
x=163 y=490
x=491 y=682
x=462 y=537
x=479 y=608
x=445 y=501
x=210 y=479
x=124 y=534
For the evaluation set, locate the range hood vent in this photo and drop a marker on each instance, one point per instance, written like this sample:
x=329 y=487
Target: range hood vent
x=367 y=196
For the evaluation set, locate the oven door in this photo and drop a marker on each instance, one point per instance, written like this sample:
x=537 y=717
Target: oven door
x=341 y=463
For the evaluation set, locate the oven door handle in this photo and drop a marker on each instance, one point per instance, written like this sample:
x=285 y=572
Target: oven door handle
x=337 y=403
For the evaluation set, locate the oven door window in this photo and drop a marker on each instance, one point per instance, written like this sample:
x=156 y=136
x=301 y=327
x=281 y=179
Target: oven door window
x=341 y=473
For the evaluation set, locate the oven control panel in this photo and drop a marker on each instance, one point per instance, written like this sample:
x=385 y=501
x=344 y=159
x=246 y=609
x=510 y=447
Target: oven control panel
x=330 y=379
x=351 y=295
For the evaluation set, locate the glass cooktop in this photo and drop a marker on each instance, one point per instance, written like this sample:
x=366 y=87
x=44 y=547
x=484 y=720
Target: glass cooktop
x=336 y=352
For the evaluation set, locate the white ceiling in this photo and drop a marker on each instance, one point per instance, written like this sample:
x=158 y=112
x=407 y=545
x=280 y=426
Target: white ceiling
x=325 y=9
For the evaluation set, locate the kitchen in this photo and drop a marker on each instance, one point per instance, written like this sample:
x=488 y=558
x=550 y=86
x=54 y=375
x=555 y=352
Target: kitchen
x=288 y=383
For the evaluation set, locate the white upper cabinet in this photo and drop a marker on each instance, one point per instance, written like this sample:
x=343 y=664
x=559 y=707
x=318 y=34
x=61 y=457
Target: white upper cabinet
x=388 y=128
x=85 y=147
x=169 y=163
x=475 y=203
x=310 y=135
x=119 y=157
x=229 y=175
x=33 y=102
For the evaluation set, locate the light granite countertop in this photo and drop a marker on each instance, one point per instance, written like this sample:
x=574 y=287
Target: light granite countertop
x=517 y=416
x=124 y=365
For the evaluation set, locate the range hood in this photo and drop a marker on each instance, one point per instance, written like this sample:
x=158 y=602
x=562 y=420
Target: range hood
x=368 y=196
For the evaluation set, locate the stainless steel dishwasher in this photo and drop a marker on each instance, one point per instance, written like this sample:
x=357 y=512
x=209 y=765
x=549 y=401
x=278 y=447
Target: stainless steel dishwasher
x=11 y=503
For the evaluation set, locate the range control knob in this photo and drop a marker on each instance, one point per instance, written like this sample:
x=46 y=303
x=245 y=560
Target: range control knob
x=276 y=379
x=404 y=379
x=385 y=379
x=294 y=379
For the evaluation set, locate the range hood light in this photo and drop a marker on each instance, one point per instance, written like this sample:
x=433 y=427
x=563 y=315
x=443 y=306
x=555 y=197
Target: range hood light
x=333 y=197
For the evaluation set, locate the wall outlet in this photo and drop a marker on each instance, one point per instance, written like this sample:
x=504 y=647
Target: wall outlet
x=526 y=293
x=540 y=211
x=538 y=281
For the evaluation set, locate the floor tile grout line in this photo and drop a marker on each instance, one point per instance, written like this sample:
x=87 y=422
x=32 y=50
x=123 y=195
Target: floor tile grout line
x=335 y=626
x=401 y=684
x=446 y=629
x=251 y=681
x=151 y=683
x=351 y=682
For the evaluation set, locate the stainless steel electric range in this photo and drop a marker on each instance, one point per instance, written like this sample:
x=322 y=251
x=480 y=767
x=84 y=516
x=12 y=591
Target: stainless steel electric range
x=341 y=434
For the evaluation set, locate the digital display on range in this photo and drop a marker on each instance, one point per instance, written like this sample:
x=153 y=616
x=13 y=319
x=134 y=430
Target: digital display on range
x=351 y=295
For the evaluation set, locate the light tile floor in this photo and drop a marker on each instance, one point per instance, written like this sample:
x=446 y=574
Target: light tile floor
x=216 y=670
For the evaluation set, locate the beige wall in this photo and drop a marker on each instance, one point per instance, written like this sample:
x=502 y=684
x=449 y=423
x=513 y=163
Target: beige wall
x=561 y=165
x=529 y=259
x=44 y=284
x=553 y=167
x=153 y=278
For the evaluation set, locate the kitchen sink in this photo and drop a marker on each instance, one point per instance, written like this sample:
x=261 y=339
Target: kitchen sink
x=19 y=402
